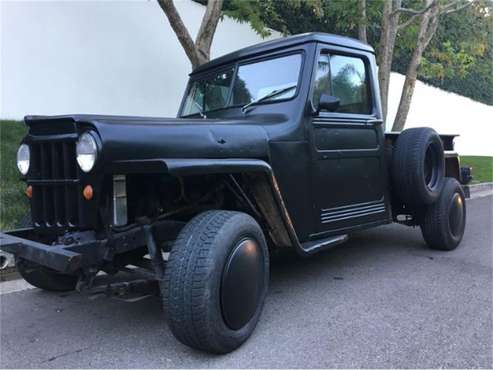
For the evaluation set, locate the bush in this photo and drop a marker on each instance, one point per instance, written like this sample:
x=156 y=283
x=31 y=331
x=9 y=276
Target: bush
x=13 y=202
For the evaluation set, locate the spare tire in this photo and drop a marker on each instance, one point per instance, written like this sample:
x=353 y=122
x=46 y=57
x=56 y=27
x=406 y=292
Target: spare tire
x=418 y=166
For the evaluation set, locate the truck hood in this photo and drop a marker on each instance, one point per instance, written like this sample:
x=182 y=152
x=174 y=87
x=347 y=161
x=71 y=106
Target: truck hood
x=134 y=138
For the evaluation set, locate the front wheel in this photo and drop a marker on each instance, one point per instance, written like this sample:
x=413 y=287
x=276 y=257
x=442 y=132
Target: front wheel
x=444 y=221
x=216 y=281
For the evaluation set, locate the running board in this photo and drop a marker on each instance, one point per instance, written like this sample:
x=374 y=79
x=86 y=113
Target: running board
x=316 y=246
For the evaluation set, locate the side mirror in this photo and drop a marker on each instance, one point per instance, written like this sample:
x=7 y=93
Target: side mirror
x=328 y=102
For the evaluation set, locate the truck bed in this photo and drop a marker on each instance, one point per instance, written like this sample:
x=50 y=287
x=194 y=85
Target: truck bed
x=448 y=140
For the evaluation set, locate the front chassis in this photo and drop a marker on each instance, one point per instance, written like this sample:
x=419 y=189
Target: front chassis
x=84 y=253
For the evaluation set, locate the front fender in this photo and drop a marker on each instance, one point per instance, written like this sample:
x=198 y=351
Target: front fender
x=263 y=182
x=189 y=166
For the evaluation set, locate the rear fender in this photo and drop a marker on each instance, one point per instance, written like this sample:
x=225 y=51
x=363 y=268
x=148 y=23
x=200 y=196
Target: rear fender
x=452 y=165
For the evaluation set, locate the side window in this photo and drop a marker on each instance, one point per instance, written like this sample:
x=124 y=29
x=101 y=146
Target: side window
x=208 y=93
x=322 y=79
x=349 y=84
x=345 y=78
x=216 y=90
x=195 y=100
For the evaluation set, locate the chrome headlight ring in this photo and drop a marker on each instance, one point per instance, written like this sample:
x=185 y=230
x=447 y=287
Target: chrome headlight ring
x=86 y=151
x=23 y=159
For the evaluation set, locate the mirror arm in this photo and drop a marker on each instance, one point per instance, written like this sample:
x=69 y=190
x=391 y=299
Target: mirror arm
x=312 y=109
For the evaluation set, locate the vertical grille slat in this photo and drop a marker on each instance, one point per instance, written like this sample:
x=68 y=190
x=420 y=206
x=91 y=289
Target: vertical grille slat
x=66 y=163
x=43 y=163
x=37 y=206
x=66 y=174
x=44 y=199
x=54 y=204
x=55 y=165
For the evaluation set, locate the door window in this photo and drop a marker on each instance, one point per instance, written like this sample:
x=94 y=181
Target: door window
x=345 y=78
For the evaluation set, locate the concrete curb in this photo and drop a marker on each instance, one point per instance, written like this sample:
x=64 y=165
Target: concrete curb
x=483 y=189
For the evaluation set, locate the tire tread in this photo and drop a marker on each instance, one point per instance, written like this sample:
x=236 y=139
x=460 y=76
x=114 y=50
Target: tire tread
x=184 y=287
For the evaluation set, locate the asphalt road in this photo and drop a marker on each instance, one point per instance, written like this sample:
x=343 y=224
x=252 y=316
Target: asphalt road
x=381 y=300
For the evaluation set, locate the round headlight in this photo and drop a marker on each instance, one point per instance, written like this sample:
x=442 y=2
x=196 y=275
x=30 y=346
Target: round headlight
x=87 y=151
x=23 y=158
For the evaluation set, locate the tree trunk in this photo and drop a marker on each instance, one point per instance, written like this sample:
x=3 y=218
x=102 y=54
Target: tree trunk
x=362 y=21
x=428 y=27
x=207 y=29
x=181 y=31
x=390 y=23
x=198 y=52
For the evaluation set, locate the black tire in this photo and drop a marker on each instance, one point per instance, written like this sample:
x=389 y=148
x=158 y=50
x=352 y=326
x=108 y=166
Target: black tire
x=418 y=166
x=200 y=287
x=444 y=222
x=45 y=278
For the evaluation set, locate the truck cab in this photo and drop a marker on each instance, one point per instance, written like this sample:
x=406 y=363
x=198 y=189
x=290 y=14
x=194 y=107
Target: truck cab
x=280 y=145
x=337 y=147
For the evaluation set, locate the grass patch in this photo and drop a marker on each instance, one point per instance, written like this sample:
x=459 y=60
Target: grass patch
x=482 y=167
x=13 y=202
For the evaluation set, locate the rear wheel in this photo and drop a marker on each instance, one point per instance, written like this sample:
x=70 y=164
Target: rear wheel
x=216 y=281
x=45 y=278
x=444 y=222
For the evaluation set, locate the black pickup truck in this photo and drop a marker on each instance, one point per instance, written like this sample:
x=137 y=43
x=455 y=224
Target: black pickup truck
x=279 y=145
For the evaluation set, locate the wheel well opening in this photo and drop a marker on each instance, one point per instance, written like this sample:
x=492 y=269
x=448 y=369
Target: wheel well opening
x=180 y=198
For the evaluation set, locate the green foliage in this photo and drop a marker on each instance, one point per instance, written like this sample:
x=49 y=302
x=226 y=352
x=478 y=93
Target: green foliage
x=13 y=202
x=482 y=167
x=460 y=55
x=447 y=61
x=300 y=16
x=459 y=58
x=463 y=47
x=264 y=15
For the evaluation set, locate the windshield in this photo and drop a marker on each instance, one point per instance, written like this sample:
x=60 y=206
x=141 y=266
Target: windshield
x=252 y=82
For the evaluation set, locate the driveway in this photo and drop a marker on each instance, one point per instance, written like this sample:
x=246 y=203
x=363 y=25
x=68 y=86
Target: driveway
x=381 y=300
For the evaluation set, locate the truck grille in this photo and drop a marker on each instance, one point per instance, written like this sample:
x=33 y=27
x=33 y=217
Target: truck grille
x=54 y=178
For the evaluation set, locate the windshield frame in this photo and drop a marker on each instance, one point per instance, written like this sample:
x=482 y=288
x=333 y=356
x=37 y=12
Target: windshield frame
x=234 y=66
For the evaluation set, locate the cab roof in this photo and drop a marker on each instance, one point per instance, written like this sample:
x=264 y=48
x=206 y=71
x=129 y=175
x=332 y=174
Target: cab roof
x=284 y=42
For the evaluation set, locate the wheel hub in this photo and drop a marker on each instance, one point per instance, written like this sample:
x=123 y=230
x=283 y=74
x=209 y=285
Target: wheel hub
x=431 y=168
x=242 y=283
x=456 y=215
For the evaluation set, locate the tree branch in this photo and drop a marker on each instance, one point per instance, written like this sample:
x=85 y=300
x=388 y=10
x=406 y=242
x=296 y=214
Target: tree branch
x=208 y=28
x=181 y=31
x=412 y=11
x=447 y=9
x=415 y=14
x=432 y=28
x=408 y=22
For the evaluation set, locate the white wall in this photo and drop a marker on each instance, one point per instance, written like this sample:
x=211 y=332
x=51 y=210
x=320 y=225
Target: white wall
x=121 y=57
x=108 y=57
x=447 y=113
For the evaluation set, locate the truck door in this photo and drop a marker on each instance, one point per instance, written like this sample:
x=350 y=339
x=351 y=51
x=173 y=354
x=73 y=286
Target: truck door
x=347 y=165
